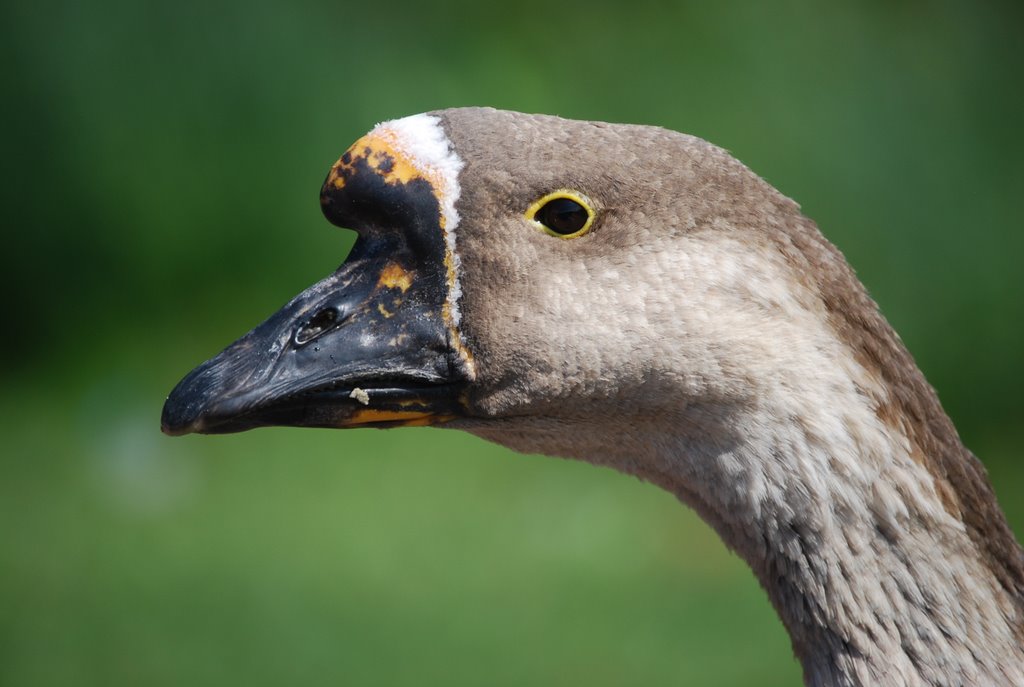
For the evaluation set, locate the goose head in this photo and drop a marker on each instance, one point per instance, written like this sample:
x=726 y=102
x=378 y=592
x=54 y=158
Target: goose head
x=514 y=273
x=638 y=298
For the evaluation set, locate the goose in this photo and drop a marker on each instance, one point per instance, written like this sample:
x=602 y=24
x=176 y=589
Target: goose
x=637 y=298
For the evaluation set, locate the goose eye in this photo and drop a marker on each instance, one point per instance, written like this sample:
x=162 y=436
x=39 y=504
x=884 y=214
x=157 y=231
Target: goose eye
x=564 y=214
x=323 y=320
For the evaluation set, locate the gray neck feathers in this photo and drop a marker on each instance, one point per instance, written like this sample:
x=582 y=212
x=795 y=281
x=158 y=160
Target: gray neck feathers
x=876 y=582
x=815 y=456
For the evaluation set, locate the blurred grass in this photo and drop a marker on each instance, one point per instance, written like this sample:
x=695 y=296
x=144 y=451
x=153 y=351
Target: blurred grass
x=161 y=164
x=412 y=557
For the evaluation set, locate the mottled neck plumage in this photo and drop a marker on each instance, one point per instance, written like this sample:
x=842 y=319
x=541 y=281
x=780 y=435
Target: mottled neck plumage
x=931 y=591
x=813 y=445
x=875 y=581
x=909 y=405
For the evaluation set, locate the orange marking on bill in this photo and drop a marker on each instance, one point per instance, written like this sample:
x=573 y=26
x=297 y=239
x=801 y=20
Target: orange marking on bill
x=408 y=418
x=380 y=154
x=394 y=276
x=429 y=420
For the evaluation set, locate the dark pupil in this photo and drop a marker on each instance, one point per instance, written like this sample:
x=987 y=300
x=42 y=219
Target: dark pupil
x=562 y=216
x=323 y=320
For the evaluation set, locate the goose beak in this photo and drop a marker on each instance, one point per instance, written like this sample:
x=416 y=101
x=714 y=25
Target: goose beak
x=367 y=346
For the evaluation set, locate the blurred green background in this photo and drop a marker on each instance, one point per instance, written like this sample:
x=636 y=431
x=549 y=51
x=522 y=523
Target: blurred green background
x=161 y=166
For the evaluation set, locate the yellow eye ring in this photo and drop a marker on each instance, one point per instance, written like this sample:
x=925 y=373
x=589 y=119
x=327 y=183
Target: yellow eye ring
x=562 y=213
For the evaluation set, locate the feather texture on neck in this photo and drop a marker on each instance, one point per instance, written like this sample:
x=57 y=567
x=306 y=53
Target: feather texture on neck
x=795 y=446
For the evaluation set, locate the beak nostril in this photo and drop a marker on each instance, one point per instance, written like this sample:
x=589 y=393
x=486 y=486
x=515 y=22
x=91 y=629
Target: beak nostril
x=322 y=321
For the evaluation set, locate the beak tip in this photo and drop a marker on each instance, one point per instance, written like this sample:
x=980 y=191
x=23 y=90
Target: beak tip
x=174 y=430
x=178 y=418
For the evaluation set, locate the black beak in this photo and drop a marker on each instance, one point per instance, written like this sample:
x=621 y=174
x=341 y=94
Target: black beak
x=365 y=346
x=372 y=344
